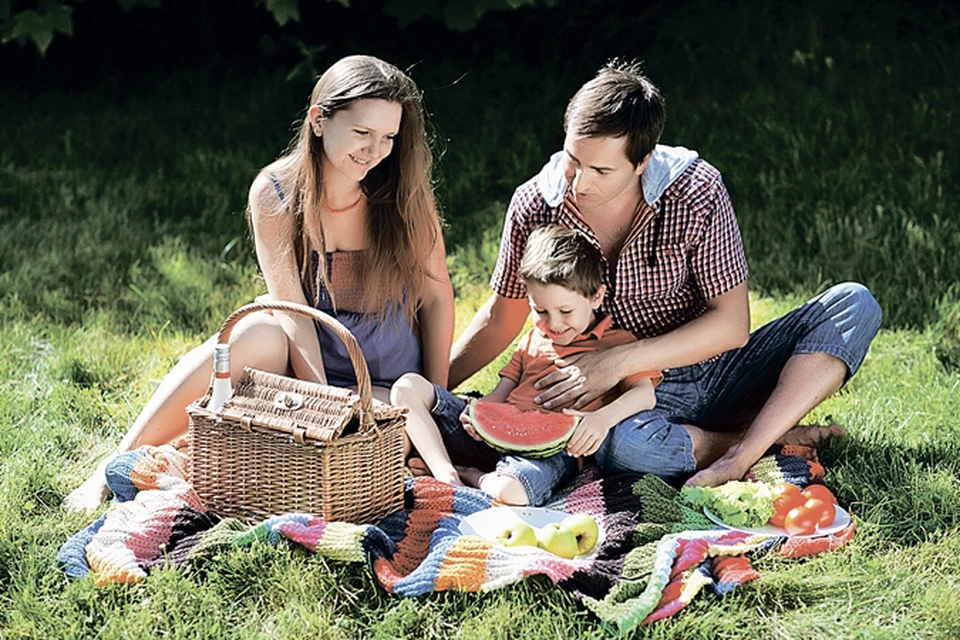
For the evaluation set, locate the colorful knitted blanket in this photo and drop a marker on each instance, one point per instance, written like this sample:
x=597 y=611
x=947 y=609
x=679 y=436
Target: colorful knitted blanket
x=656 y=552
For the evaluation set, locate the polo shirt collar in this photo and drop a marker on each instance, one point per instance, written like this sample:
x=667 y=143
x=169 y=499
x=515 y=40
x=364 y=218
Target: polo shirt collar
x=599 y=328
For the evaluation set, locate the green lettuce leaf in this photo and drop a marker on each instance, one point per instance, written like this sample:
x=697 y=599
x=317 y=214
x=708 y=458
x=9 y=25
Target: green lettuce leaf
x=739 y=504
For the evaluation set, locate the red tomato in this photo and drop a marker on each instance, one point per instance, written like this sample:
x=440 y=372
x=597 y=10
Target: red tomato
x=823 y=510
x=785 y=488
x=801 y=522
x=819 y=492
x=777 y=519
x=788 y=499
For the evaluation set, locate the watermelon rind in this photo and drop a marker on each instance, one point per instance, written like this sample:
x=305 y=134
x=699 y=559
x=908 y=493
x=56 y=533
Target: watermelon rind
x=542 y=450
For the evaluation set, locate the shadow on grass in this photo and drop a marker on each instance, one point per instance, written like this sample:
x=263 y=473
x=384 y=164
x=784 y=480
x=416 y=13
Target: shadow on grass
x=906 y=492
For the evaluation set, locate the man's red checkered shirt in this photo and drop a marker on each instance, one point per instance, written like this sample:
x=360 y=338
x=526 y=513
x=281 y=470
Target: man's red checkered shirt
x=664 y=276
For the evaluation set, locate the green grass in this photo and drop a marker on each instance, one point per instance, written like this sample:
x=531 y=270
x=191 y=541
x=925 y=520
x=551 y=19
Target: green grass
x=70 y=392
x=123 y=243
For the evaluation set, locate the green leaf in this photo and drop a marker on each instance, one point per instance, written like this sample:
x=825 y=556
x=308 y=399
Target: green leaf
x=284 y=10
x=39 y=28
x=129 y=5
x=739 y=504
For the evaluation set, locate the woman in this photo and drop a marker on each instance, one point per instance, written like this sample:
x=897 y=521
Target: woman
x=344 y=221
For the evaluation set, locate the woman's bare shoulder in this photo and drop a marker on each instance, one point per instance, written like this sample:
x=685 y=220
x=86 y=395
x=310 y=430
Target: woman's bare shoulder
x=267 y=193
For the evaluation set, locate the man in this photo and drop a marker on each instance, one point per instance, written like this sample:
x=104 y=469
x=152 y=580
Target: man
x=676 y=277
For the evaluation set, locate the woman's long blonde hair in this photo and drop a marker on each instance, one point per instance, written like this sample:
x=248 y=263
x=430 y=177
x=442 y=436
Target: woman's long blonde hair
x=402 y=220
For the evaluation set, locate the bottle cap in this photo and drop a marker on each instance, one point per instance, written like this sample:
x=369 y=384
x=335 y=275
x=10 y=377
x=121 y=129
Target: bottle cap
x=221 y=358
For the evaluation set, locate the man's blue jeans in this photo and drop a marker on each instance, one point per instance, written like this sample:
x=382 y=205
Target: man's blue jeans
x=725 y=393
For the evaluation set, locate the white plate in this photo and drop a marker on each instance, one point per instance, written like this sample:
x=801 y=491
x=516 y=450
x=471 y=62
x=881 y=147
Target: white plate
x=840 y=521
x=489 y=523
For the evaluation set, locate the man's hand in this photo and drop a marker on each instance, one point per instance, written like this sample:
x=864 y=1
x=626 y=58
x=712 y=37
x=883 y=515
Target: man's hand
x=589 y=434
x=581 y=379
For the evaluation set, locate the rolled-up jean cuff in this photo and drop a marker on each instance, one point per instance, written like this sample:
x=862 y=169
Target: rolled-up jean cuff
x=539 y=478
x=852 y=361
x=504 y=470
x=441 y=406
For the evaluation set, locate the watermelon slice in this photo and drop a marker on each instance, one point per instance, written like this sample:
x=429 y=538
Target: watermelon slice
x=531 y=434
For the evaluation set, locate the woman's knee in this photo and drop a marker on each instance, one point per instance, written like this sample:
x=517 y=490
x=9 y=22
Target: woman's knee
x=259 y=341
x=411 y=388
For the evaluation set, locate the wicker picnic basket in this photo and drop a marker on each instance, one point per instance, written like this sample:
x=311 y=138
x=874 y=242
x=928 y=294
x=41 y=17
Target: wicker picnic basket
x=281 y=445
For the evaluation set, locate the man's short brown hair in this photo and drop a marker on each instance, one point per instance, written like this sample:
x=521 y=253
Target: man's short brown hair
x=619 y=101
x=564 y=257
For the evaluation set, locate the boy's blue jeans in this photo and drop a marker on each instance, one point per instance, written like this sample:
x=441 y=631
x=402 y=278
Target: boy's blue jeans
x=717 y=395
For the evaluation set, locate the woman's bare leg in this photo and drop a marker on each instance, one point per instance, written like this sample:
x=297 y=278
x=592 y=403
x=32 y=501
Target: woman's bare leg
x=256 y=341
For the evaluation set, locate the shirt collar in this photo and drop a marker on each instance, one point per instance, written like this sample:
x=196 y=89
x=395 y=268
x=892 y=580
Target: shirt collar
x=603 y=323
x=600 y=327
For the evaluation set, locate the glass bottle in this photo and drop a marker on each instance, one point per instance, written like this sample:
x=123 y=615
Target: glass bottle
x=222 y=386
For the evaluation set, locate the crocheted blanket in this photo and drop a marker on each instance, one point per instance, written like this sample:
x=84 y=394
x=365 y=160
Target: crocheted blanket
x=656 y=554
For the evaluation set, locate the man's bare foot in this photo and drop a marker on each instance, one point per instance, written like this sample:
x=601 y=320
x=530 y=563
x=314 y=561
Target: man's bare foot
x=811 y=435
x=722 y=470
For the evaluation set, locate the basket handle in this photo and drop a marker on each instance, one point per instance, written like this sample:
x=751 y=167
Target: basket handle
x=353 y=349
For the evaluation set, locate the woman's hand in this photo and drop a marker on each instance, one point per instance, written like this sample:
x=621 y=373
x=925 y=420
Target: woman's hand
x=589 y=434
x=581 y=379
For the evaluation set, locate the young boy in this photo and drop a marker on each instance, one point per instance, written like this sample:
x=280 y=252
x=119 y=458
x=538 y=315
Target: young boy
x=562 y=273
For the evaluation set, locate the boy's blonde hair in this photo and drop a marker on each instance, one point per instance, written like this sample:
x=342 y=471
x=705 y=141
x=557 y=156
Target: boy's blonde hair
x=564 y=257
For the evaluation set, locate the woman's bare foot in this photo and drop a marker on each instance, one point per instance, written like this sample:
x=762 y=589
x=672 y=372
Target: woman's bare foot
x=88 y=497
x=470 y=475
x=811 y=435
x=419 y=469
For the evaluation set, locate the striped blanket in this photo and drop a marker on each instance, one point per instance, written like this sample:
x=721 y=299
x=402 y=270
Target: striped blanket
x=656 y=552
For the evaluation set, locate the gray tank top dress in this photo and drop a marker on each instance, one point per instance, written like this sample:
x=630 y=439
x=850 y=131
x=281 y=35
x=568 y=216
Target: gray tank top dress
x=390 y=347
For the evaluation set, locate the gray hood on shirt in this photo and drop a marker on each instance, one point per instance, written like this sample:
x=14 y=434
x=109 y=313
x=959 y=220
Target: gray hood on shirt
x=665 y=166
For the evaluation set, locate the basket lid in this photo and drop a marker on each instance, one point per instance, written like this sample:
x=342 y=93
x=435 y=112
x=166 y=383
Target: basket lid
x=320 y=412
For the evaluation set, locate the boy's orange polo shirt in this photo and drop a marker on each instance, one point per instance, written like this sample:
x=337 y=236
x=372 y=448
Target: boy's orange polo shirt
x=535 y=355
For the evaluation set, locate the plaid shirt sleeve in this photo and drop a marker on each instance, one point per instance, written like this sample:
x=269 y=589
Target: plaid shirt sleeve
x=718 y=263
x=513 y=241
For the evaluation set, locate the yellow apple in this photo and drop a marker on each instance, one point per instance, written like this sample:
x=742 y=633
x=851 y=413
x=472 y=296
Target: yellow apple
x=518 y=534
x=585 y=528
x=558 y=540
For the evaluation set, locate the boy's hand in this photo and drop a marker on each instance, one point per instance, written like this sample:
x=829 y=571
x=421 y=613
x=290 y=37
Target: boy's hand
x=589 y=434
x=466 y=422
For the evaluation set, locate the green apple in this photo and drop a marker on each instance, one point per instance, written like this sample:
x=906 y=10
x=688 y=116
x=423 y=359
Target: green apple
x=585 y=528
x=518 y=534
x=558 y=540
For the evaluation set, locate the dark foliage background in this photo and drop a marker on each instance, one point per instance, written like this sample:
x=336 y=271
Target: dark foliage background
x=832 y=122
